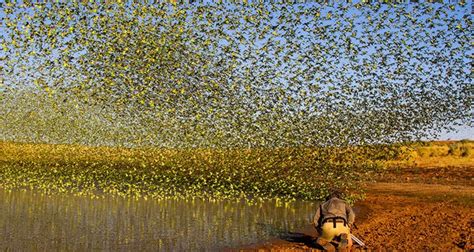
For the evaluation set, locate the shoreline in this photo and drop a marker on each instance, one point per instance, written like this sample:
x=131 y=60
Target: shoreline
x=442 y=214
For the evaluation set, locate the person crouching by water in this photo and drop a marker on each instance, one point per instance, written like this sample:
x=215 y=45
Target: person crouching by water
x=333 y=220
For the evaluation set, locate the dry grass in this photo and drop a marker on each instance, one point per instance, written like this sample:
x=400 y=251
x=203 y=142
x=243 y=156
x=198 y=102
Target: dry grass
x=436 y=154
x=293 y=172
x=463 y=195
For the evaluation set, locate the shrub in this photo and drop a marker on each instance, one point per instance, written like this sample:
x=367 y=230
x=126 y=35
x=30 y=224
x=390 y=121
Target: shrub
x=465 y=151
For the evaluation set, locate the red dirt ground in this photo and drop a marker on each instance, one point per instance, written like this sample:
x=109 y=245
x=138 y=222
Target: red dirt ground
x=404 y=216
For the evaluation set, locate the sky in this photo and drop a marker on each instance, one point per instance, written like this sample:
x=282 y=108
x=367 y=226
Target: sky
x=465 y=132
x=462 y=133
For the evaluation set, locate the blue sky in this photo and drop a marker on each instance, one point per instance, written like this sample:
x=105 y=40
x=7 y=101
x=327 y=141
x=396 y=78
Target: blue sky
x=461 y=133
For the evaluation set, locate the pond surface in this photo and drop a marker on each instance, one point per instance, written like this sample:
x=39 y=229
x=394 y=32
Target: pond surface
x=31 y=221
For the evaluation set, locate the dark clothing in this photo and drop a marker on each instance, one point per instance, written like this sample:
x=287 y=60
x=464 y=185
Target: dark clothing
x=334 y=207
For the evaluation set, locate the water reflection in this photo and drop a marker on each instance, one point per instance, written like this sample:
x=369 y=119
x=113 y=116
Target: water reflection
x=31 y=221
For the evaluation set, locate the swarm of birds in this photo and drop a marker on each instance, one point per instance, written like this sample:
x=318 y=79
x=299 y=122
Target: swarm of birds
x=313 y=91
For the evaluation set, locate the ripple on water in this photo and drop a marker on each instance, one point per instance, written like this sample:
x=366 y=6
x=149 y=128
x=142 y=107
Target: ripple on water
x=31 y=221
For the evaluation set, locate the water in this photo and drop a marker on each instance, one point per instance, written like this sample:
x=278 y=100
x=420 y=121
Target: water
x=31 y=221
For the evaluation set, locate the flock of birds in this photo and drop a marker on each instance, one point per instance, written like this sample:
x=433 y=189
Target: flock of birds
x=234 y=76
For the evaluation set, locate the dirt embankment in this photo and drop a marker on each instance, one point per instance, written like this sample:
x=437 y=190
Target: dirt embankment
x=411 y=223
x=423 y=213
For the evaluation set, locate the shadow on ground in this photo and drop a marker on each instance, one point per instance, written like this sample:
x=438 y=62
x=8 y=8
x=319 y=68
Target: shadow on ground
x=300 y=238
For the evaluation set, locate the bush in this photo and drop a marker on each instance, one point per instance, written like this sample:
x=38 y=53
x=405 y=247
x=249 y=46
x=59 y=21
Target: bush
x=465 y=151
